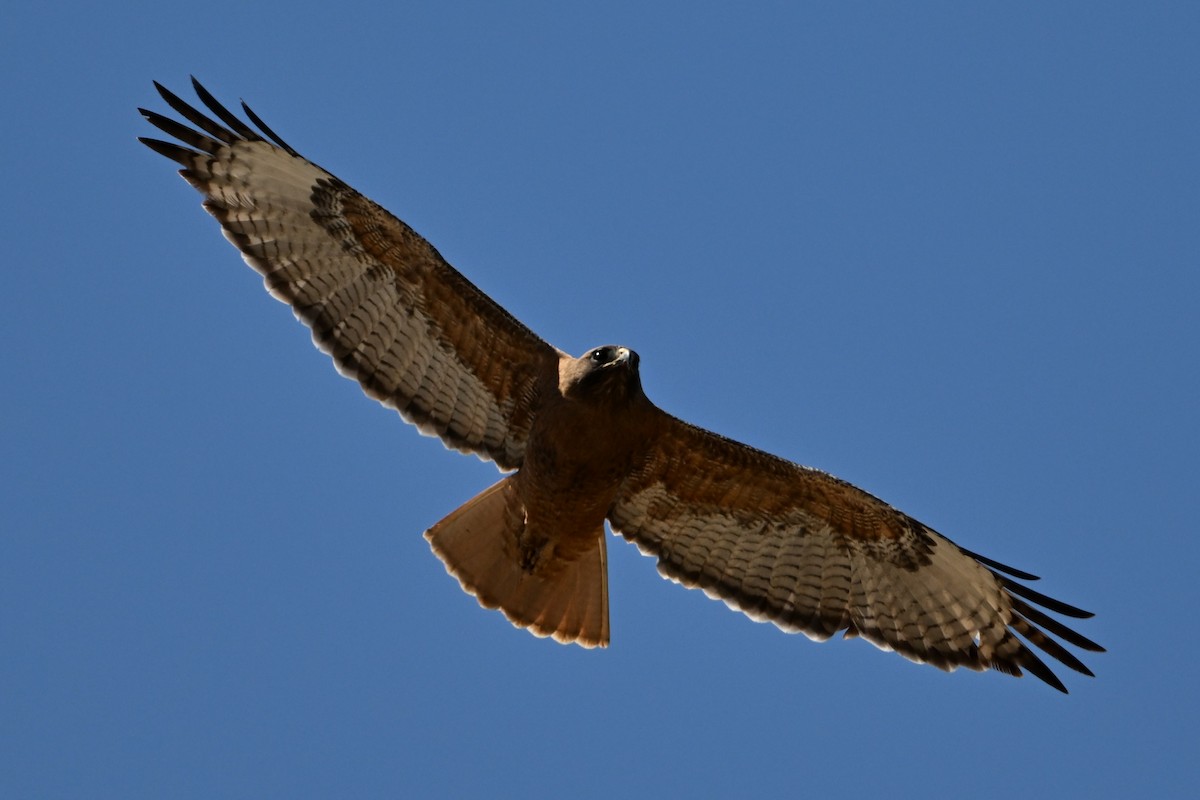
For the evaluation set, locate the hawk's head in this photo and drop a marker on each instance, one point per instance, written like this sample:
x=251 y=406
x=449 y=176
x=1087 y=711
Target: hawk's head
x=608 y=373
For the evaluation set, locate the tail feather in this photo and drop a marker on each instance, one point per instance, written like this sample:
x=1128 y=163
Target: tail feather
x=478 y=544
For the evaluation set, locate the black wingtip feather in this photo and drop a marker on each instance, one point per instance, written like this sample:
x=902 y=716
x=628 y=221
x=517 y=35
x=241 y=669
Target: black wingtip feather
x=1038 y=669
x=235 y=124
x=1057 y=606
x=181 y=132
x=996 y=565
x=262 y=126
x=180 y=155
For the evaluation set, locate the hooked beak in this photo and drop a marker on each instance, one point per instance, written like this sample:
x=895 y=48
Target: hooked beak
x=625 y=357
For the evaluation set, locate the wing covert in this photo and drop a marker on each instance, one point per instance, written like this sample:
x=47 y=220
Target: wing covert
x=393 y=314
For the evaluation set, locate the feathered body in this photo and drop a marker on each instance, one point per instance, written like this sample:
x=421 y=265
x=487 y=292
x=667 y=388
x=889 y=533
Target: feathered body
x=776 y=540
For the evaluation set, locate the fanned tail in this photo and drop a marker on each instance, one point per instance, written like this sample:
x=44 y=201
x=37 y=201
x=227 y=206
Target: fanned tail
x=478 y=543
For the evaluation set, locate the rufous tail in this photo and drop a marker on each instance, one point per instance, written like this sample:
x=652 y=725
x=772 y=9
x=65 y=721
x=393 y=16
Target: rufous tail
x=478 y=543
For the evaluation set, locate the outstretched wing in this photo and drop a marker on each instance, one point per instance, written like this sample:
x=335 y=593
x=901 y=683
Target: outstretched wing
x=817 y=555
x=417 y=335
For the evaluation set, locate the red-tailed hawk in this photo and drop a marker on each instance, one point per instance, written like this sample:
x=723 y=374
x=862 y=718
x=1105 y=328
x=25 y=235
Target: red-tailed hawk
x=775 y=540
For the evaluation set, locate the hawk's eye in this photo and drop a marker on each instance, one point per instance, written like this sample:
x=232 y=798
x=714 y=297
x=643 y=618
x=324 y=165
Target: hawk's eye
x=599 y=355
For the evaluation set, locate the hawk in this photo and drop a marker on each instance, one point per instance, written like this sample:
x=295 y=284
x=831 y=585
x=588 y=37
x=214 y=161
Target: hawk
x=582 y=443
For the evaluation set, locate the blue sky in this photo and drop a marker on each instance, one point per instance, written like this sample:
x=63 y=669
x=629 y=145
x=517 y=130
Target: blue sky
x=945 y=251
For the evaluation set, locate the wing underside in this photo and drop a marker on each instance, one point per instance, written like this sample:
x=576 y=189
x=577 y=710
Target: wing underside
x=414 y=333
x=815 y=555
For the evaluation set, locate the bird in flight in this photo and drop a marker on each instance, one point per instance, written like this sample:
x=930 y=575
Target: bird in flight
x=582 y=443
